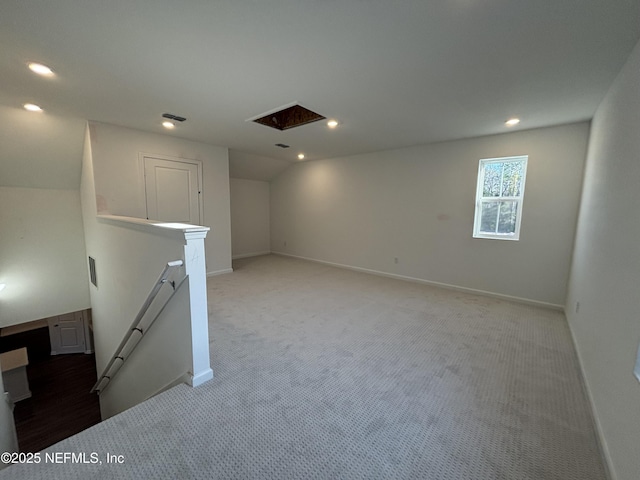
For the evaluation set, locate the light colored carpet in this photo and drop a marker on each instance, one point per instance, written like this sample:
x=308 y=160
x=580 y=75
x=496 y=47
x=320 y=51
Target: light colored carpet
x=327 y=373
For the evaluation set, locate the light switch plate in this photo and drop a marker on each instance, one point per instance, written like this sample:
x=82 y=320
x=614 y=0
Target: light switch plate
x=636 y=370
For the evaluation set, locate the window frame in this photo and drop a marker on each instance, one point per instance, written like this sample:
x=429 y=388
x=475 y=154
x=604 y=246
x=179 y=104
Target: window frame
x=481 y=200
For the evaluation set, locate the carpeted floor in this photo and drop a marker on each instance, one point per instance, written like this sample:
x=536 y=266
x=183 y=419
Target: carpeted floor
x=327 y=373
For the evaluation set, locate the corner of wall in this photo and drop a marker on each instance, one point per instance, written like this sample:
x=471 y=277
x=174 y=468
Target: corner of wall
x=604 y=272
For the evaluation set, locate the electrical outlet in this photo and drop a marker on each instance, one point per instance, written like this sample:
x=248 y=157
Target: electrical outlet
x=285 y=243
x=577 y=307
x=395 y=260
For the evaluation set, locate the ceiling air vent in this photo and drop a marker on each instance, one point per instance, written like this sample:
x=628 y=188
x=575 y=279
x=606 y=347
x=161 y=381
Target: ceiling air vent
x=92 y=271
x=290 y=117
x=171 y=116
x=282 y=145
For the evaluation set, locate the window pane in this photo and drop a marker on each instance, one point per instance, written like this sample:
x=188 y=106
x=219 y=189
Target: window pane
x=507 y=220
x=492 y=177
x=489 y=217
x=512 y=179
x=499 y=197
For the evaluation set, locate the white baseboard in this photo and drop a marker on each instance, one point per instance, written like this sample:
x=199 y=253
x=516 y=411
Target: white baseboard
x=253 y=254
x=184 y=378
x=200 y=378
x=600 y=439
x=448 y=286
x=219 y=272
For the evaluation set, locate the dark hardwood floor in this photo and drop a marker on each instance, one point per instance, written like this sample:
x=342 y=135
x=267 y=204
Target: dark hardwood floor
x=61 y=404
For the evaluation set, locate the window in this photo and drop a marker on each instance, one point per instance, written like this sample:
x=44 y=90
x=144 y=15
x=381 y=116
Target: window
x=499 y=198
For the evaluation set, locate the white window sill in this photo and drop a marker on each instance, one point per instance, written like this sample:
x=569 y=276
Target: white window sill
x=497 y=237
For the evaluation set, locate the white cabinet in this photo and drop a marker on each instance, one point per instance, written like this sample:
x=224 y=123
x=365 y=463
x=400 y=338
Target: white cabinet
x=71 y=333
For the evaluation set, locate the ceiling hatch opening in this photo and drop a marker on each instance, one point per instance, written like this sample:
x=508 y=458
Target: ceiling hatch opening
x=290 y=117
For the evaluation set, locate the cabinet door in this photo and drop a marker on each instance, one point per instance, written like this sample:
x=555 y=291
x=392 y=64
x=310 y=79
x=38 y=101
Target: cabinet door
x=67 y=333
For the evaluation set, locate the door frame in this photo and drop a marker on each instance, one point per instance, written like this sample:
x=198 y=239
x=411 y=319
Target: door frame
x=141 y=168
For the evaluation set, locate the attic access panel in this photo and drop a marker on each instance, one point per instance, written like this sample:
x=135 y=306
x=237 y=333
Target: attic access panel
x=290 y=117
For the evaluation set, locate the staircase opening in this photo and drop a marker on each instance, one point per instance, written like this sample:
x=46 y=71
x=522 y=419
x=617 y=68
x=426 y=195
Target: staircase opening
x=60 y=404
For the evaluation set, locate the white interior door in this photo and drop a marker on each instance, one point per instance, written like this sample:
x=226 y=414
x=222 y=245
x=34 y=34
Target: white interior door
x=66 y=333
x=173 y=190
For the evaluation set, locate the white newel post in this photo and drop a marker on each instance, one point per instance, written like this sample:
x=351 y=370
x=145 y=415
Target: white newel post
x=194 y=260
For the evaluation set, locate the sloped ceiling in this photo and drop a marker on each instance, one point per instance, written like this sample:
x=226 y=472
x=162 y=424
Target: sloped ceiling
x=393 y=73
x=40 y=151
x=255 y=167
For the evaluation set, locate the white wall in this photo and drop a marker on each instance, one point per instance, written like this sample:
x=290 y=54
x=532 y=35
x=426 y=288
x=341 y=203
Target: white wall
x=42 y=254
x=120 y=183
x=40 y=150
x=128 y=262
x=417 y=204
x=605 y=273
x=249 y=218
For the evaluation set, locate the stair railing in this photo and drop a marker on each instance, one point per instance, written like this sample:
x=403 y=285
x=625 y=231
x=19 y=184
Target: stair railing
x=136 y=332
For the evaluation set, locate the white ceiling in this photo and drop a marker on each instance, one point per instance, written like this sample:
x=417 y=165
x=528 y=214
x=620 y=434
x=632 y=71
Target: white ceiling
x=394 y=73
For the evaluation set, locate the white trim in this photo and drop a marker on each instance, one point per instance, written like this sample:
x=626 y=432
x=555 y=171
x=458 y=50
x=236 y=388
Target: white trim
x=201 y=377
x=181 y=230
x=480 y=199
x=273 y=110
x=219 y=272
x=195 y=268
x=599 y=432
x=526 y=301
x=185 y=378
x=253 y=254
x=283 y=107
x=188 y=235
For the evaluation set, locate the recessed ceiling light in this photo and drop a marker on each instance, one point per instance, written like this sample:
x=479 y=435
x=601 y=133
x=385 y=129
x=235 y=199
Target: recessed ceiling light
x=512 y=122
x=332 y=123
x=40 y=69
x=2 y=285
x=168 y=125
x=301 y=156
x=32 y=107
